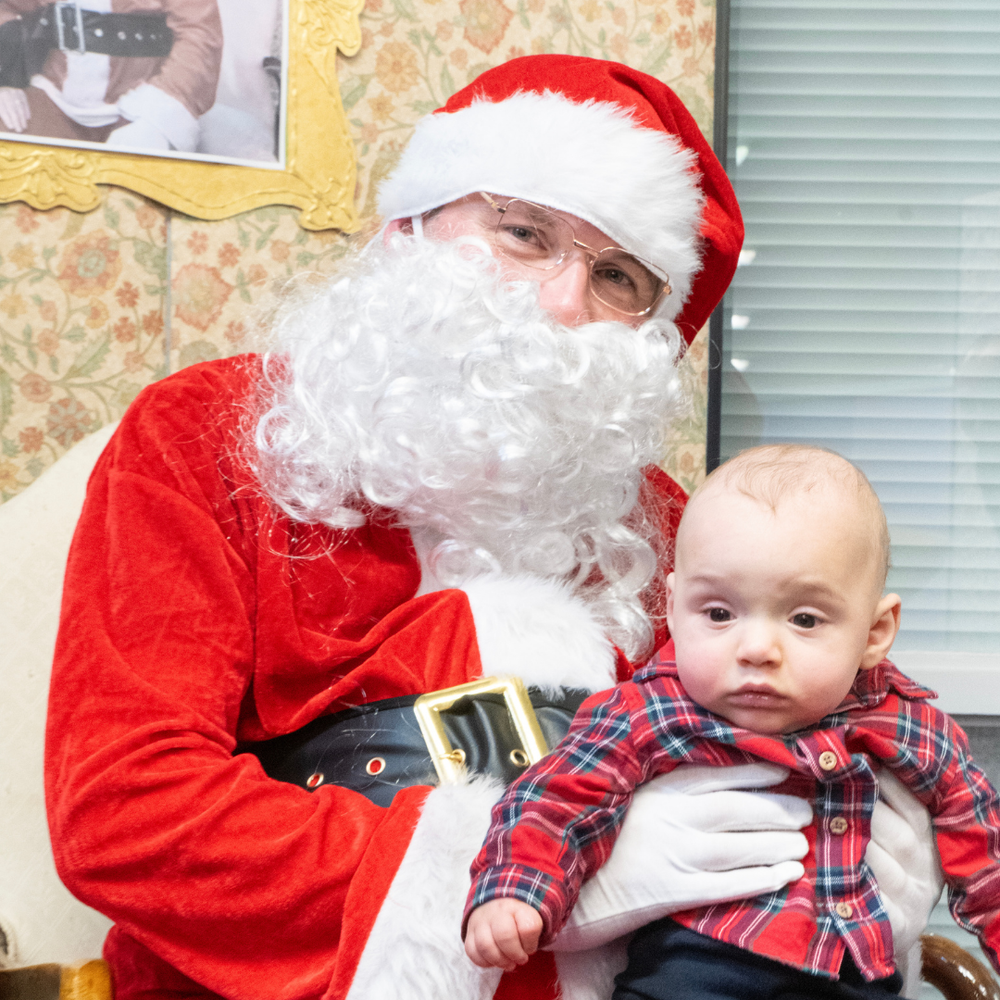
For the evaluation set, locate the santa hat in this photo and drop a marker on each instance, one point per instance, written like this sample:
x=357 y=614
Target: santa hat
x=599 y=140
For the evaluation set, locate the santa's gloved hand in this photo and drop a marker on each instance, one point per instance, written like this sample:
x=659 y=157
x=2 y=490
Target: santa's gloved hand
x=903 y=857
x=689 y=838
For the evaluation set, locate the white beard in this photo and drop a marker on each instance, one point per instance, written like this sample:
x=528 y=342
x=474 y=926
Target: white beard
x=422 y=382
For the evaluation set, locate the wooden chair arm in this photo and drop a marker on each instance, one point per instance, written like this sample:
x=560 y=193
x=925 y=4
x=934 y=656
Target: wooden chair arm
x=952 y=970
x=89 y=981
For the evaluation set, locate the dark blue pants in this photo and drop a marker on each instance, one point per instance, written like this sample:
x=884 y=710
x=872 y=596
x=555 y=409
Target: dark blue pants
x=669 y=962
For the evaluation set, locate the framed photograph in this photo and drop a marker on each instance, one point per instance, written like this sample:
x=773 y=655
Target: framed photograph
x=212 y=107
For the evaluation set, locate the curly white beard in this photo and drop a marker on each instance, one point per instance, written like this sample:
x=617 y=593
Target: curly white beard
x=423 y=382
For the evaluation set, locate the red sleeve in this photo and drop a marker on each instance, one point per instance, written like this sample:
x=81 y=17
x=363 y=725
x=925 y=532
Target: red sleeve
x=966 y=811
x=160 y=665
x=191 y=71
x=556 y=824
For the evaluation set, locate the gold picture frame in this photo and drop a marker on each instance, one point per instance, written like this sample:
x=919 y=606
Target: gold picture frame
x=319 y=173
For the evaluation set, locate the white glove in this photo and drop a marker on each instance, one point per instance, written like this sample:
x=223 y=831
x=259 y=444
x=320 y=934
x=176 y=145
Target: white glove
x=903 y=857
x=690 y=838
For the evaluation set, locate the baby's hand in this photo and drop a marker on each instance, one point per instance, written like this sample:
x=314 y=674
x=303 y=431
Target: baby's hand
x=502 y=933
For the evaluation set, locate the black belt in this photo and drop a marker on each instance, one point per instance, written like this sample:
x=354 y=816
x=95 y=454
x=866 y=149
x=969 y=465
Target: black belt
x=379 y=748
x=25 y=42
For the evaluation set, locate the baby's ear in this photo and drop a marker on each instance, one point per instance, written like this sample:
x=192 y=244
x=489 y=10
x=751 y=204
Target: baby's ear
x=882 y=634
x=670 y=603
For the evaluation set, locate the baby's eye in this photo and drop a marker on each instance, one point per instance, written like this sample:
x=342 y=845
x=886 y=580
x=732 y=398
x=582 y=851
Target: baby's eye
x=719 y=615
x=804 y=621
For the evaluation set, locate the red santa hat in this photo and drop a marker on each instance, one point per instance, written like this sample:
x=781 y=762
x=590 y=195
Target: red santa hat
x=599 y=140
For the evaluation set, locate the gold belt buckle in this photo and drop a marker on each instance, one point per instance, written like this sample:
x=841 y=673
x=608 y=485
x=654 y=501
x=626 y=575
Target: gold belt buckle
x=450 y=762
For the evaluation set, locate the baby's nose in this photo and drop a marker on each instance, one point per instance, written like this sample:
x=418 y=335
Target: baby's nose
x=759 y=645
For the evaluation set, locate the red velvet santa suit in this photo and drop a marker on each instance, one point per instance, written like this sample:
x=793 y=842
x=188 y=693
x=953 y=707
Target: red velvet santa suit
x=195 y=615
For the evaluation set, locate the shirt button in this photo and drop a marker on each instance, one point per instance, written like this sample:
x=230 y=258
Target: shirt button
x=828 y=760
x=838 y=825
x=844 y=910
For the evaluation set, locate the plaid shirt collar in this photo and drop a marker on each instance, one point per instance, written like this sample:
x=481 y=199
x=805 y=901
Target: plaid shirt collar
x=870 y=687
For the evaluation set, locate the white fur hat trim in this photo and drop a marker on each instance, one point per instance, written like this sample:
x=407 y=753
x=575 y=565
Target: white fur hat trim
x=636 y=184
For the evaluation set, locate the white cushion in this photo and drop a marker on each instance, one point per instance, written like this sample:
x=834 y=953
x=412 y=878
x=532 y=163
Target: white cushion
x=44 y=921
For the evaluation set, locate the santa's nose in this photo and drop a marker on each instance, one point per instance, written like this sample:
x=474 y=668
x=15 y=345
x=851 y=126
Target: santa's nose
x=565 y=292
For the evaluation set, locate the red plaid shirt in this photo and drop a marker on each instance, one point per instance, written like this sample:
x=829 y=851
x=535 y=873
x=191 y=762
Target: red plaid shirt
x=556 y=824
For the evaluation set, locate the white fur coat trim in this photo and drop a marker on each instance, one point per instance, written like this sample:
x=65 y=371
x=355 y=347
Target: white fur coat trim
x=537 y=630
x=415 y=949
x=636 y=184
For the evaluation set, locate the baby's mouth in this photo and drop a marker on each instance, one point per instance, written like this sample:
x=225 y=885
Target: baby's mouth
x=757 y=696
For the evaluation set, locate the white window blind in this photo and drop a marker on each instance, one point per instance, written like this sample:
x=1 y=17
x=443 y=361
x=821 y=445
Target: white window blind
x=864 y=144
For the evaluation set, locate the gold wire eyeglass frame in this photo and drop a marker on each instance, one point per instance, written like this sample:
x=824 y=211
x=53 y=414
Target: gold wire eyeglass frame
x=593 y=253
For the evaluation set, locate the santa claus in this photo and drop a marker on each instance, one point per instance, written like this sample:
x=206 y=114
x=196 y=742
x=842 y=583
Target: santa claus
x=443 y=471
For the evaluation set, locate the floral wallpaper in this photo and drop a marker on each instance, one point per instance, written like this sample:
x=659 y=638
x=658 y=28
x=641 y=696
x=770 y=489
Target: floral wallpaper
x=95 y=306
x=81 y=326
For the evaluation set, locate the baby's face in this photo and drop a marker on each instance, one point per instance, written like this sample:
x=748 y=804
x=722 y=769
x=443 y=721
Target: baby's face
x=771 y=612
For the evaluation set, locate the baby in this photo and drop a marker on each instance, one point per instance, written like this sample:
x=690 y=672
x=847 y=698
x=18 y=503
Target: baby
x=780 y=630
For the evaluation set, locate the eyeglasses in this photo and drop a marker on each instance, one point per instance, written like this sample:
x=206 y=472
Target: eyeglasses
x=538 y=238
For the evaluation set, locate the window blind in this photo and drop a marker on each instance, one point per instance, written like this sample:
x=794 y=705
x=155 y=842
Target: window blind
x=864 y=144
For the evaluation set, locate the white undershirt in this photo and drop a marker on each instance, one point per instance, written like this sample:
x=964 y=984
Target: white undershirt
x=86 y=85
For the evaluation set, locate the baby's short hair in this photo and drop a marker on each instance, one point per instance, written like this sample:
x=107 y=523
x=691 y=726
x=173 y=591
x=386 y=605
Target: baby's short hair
x=772 y=472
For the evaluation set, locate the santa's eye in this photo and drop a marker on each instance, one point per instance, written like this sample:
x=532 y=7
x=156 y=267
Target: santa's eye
x=719 y=615
x=612 y=276
x=803 y=620
x=518 y=234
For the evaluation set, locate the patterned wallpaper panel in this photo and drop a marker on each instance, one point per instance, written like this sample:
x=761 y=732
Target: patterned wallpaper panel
x=95 y=306
x=81 y=325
